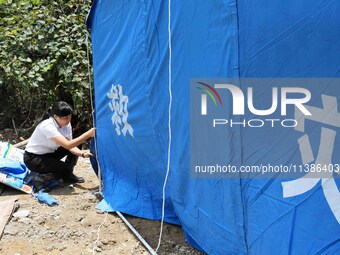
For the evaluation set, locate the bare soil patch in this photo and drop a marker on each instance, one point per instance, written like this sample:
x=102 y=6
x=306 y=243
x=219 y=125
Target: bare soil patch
x=76 y=227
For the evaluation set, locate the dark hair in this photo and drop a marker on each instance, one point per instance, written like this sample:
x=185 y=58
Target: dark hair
x=59 y=108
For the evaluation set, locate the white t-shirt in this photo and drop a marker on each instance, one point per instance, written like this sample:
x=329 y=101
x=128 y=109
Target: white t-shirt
x=41 y=140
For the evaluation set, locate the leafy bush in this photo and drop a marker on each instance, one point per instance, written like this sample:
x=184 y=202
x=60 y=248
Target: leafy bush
x=43 y=58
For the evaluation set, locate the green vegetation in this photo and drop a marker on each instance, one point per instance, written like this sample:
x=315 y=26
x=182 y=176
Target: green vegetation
x=43 y=58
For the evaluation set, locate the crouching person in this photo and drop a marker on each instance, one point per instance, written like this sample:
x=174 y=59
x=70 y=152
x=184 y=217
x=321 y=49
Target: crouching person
x=52 y=140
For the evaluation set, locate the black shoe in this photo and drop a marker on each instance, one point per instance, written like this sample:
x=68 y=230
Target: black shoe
x=74 y=179
x=38 y=183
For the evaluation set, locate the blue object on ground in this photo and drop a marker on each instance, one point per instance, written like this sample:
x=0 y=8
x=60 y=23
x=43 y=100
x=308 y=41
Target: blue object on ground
x=46 y=198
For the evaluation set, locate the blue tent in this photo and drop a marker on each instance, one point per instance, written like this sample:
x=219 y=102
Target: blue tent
x=151 y=60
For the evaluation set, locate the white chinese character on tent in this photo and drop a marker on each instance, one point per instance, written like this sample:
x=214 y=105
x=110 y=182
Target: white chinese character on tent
x=330 y=116
x=118 y=105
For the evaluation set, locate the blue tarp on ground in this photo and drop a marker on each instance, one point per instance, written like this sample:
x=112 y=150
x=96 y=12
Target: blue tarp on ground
x=214 y=39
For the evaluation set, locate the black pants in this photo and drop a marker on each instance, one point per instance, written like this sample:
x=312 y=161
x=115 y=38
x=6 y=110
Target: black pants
x=51 y=163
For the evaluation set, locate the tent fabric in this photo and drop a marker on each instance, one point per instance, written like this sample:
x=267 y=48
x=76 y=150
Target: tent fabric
x=212 y=39
x=289 y=40
x=139 y=75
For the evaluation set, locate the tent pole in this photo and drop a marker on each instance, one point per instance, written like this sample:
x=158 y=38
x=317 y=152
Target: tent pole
x=136 y=233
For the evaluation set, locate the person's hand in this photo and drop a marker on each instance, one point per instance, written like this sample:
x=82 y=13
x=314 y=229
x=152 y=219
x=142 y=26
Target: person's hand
x=86 y=154
x=91 y=132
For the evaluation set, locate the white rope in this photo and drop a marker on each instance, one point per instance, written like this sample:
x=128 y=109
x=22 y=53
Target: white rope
x=98 y=233
x=169 y=125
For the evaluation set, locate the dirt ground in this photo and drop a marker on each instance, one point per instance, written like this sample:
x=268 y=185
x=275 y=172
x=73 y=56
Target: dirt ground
x=76 y=227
